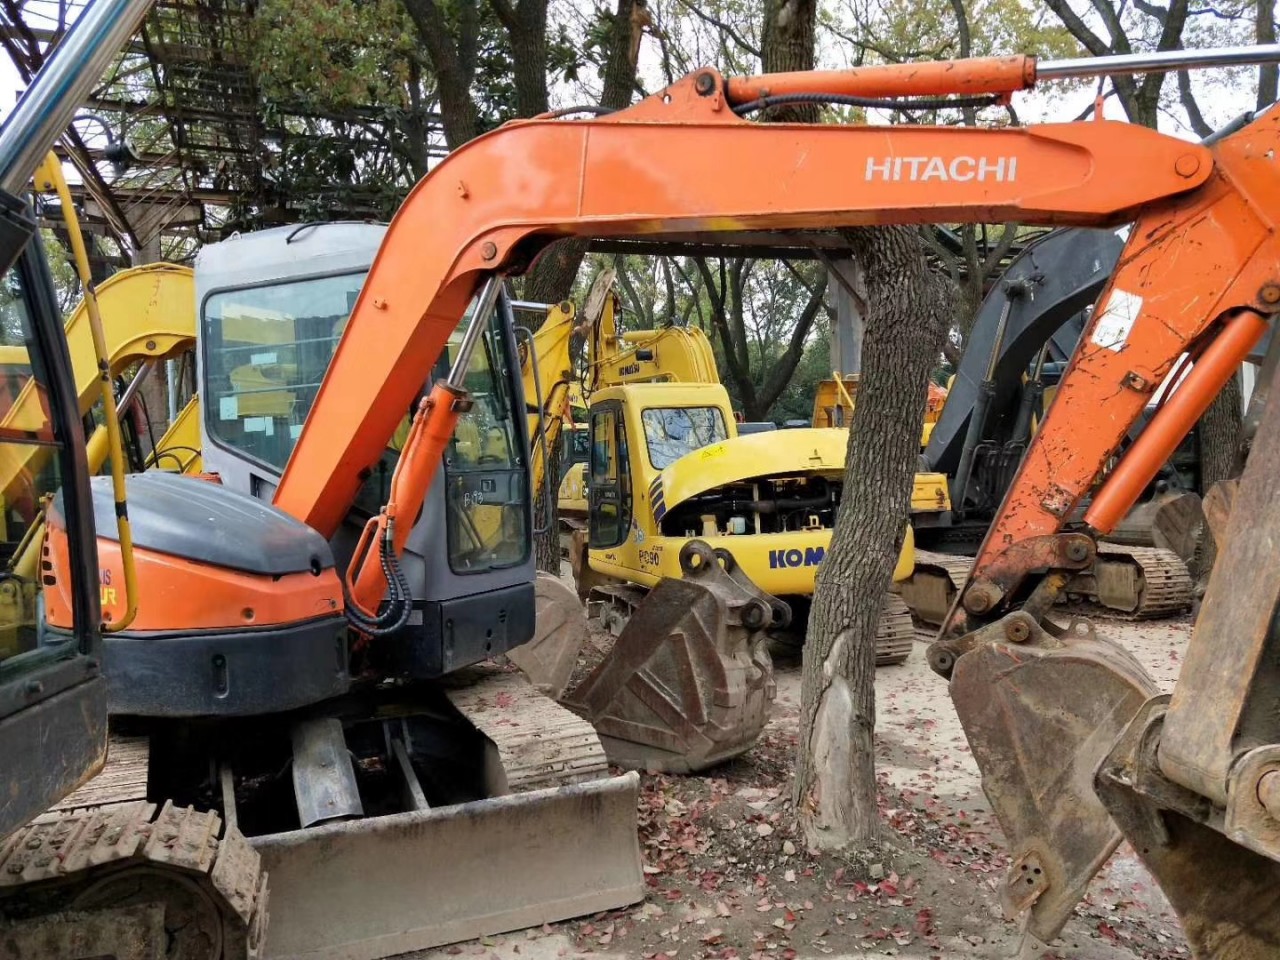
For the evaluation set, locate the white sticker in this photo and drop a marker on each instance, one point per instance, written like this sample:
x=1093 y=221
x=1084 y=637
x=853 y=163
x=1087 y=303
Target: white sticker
x=1111 y=327
x=1123 y=232
x=229 y=407
x=271 y=426
x=256 y=424
x=295 y=431
x=261 y=358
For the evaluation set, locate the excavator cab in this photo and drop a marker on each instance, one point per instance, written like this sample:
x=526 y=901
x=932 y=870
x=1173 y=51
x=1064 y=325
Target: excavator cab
x=273 y=306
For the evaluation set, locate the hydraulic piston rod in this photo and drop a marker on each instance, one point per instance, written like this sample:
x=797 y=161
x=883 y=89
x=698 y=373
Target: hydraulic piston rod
x=49 y=104
x=1129 y=63
x=983 y=75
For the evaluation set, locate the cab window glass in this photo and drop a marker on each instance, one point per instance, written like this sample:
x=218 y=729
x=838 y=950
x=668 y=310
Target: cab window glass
x=609 y=487
x=487 y=519
x=29 y=476
x=672 y=432
x=266 y=351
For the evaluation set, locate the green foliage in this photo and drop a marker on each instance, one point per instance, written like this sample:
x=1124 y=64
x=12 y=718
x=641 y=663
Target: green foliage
x=796 y=401
x=333 y=54
x=899 y=30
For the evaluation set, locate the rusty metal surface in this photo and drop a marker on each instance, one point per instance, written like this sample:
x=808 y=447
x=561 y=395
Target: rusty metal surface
x=559 y=631
x=1251 y=815
x=1227 y=896
x=93 y=862
x=983 y=596
x=1217 y=507
x=689 y=681
x=1040 y=715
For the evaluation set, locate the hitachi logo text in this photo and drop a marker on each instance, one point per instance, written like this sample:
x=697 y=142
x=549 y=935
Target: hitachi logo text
x=998 y=169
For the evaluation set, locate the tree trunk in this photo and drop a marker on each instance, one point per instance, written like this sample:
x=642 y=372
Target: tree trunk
x=787 y=44
x=1219 y=431
x=453 y=61
x=1268 y=73
x=834 y=787
x=552 y=277
x=547 y=544
x=527 y=28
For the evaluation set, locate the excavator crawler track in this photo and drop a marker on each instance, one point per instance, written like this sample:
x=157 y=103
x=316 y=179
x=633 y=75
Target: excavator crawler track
x=896 y=634
x=934 y=583
x=1127 y=582
x=172 y=884
x=538 y=743
x=1141 y=583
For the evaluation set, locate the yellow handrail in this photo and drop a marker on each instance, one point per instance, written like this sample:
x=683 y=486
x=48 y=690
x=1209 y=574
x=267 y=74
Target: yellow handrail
x=49 y=177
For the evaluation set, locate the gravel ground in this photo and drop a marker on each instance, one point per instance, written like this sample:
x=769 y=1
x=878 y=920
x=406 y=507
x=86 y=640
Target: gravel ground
x=728 y=877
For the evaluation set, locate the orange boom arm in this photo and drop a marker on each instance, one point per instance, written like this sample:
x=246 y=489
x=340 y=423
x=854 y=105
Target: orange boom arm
x=658 y=170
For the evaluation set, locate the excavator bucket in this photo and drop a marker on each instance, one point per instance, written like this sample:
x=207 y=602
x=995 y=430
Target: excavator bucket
x=559 y=631
x=689 y=680
x=1041 y=707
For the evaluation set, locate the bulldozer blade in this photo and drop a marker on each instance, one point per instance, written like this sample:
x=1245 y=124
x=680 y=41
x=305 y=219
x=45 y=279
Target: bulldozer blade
x=368 y=889
x=1040 y=716
x=1227 y=896
x=689 y=681
x=559 y=631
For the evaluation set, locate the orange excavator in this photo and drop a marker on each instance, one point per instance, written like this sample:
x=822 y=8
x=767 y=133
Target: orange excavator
x=259 y=626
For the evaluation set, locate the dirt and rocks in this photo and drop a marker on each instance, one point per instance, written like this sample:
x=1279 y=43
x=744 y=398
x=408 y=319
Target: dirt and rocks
x=729 y=879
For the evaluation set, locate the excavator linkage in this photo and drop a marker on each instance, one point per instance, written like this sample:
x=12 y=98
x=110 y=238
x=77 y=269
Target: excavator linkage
x=689 y=681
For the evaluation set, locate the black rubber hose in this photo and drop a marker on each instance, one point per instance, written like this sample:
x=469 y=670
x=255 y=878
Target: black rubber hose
x=869 y=103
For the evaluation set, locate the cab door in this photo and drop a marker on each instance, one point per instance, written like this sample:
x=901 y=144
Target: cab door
x=608 y=478
x=53 y=702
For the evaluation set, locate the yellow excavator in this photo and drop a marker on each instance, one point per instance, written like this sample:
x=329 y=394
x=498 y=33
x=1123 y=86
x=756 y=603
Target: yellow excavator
x=668 y=464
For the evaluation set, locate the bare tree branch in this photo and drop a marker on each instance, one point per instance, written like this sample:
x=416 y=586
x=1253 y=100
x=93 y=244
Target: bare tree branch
x=719 y=24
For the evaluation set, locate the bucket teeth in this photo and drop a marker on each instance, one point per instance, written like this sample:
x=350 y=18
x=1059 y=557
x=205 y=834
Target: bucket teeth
x=689 y=681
